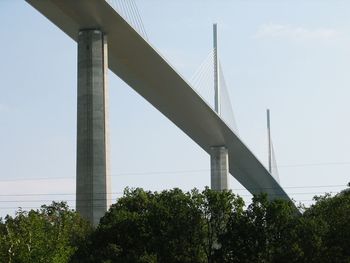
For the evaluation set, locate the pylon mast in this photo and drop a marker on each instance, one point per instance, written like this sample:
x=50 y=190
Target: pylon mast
x=269 y=139
x=216 y=70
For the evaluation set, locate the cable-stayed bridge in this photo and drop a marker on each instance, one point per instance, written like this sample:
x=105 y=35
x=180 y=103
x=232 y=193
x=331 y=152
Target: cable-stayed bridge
x=111 y=35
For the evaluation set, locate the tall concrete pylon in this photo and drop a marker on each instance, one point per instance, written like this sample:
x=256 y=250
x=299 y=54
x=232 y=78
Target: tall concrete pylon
x=93 y=187
x=219 y=153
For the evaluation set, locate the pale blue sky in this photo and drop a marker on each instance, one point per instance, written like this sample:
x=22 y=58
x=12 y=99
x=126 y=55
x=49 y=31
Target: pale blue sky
x=290 y=56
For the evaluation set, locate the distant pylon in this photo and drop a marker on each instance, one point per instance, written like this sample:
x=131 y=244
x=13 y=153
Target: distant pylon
x=273 y=169
x=269 y=140
x=216 y=70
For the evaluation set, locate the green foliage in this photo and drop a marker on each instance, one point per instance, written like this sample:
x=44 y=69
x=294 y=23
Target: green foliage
x=216 y=207
x=210 y=226
x=193 y=227
x=50 y=234
x=334 y=212
x=148 y=227
x=268 y=231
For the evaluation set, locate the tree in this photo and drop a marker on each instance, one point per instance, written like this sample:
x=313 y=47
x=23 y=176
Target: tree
x=334 y=212
x=50 y=234
x=123 y=234
x=147 y=227
x=216 y=207
x=175 y=220
x=269 y=231
x=172 y=226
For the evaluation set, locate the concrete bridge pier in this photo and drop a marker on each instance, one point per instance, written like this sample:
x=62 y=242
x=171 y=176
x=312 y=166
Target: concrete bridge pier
x=93 y=193
x=219 y=154
x=219 y=168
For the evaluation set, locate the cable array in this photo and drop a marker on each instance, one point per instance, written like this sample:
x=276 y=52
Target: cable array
x=130 y=12
x=226 y=105
x=274 y=167
x=202 y=80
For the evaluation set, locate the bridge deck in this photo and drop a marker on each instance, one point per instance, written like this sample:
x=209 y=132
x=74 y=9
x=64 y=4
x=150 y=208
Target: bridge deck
x=136 y=62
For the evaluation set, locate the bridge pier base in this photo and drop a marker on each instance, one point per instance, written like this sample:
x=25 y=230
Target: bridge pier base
x=219 y=168
x=93 y=178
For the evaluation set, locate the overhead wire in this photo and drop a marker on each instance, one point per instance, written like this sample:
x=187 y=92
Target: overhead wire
x=100 y=199
x=166 y=172
x=41 y=206
x=233 y=189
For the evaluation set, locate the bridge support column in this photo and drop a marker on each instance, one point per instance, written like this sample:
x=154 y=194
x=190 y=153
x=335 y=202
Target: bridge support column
x=219 y=168
x=93 y=178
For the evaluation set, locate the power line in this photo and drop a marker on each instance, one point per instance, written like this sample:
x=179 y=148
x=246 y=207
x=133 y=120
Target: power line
x=233 y=189
x=39 y=207
x=50 y=194
x=57 y=200
x=100 y=199
x=314 y=164
x=293 y=187
x=171 y=172
x=33 y=207
x=113 y=175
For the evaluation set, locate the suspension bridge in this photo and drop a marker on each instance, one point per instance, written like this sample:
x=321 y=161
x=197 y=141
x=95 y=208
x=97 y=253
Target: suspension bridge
x=110 y=34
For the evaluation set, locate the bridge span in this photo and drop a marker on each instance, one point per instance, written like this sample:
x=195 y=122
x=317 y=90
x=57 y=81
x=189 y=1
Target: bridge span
x=137 y=62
